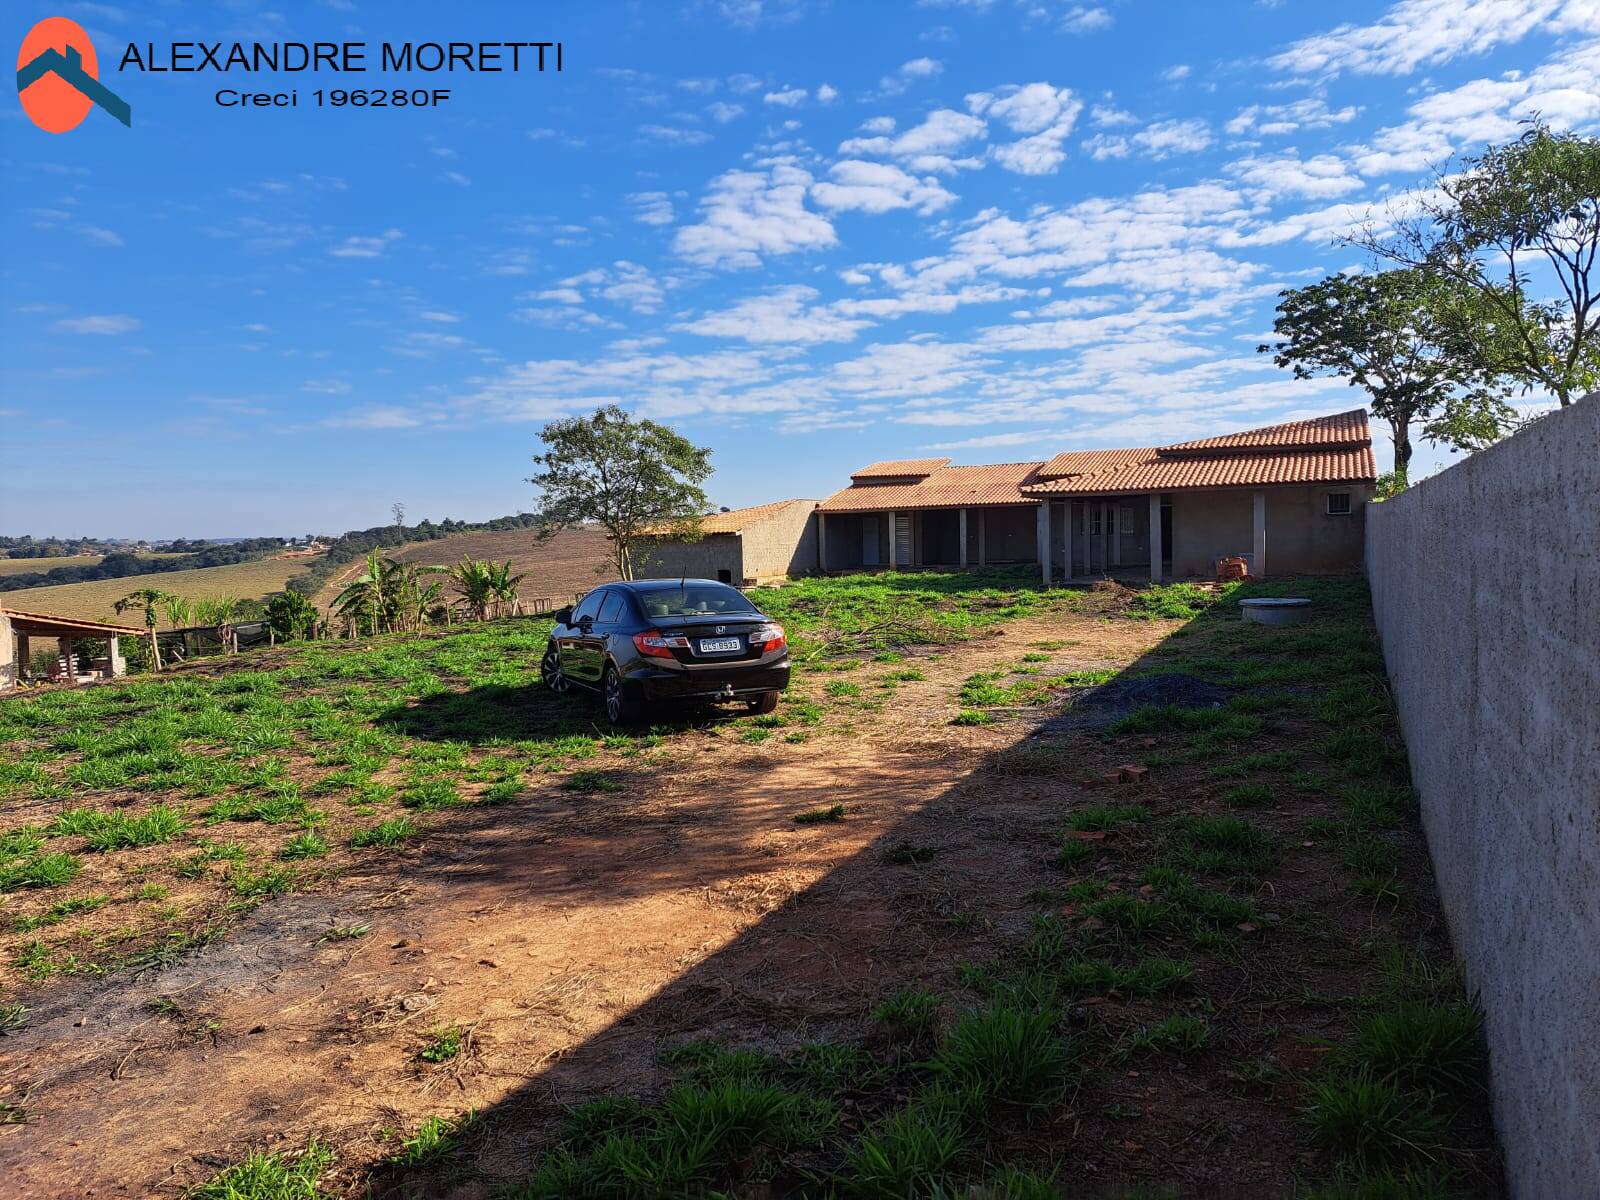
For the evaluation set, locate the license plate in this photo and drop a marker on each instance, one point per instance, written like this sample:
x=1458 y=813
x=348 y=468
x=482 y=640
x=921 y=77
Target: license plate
x=719 y=645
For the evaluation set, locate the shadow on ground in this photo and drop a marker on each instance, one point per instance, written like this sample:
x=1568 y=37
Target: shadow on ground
x=956 y=877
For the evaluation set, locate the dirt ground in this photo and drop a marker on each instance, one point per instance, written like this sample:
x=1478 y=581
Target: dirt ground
x=573 y=936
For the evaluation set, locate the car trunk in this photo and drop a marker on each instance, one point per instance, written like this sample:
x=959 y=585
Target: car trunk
x=711 y=628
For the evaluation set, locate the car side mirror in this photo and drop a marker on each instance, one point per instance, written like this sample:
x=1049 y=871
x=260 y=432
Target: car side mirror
x=586 y=623
x=563 y=615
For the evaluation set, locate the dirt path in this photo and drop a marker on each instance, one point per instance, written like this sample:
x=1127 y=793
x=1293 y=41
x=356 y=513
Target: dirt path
x=562 y=922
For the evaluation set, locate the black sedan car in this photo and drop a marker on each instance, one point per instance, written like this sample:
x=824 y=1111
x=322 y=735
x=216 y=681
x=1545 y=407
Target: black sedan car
x=651 y=640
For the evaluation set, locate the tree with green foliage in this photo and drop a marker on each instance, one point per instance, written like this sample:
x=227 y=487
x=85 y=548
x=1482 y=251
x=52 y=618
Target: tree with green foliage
x=633 y=478
x=146 y=600
x=291 y=615
x=1515 y=234
x=1382 y=333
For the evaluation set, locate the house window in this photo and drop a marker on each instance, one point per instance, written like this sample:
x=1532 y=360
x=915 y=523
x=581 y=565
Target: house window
x=1338 y=504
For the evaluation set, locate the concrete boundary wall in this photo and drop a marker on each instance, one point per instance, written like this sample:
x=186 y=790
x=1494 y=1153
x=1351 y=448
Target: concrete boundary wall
x=1486 y=589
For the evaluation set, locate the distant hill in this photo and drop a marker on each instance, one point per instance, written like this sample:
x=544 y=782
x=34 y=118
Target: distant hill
x=571 y=562
x=255 y=579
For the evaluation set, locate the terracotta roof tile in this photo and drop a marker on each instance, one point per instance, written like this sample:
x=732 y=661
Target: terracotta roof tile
x=1164 y=474
x=1340 y=429
x=737 y=520
x=1087 y=462
x=899 y=468
x=946 y=487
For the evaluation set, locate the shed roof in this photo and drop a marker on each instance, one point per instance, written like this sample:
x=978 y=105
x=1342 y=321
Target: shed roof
x=45 y=625
x=901 y=468
x=946 y=487
x=1348 y=429
x=736 y=520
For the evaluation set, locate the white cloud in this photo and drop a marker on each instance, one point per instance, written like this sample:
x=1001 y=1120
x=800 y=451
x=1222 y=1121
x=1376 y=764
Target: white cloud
x=99 y=236
x=878 y=125
x=1563 y=90
x=438 y=315
x=1277 y=120
x=1427 y=33
x=927 y=147
x=748 y=214
x=876 y=188
x=1175 y=73
x=675 y=136
x=788 y=98
x=623 y=282
x=1164 y=138
x=786 y=315
x=1044 y=112
x=102 y=325
x=1108 y=116
x=374 y=418
x=827 y=94
x=1105 y=145
x=1084 y=18
x=326 y=387
x=722 y=112
x=908 y=73
x=651 y=208
x=1321 y=177
x=366 y=247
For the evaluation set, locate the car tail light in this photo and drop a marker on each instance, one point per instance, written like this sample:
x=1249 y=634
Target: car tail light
x=657 y=644
x=768 y=638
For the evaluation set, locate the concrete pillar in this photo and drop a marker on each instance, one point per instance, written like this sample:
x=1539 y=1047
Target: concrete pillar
x=1156 y=553
x=1066 y=540
x=69 y=661
x=962 y=521
x=983 y=529
x=1088 y=543
x=822 y=544
x=24 y=655
x=1260 y=505
x=893 y=564
x=1115 y=511
x=9 y=670
x=119 y=665
x=1042 y=539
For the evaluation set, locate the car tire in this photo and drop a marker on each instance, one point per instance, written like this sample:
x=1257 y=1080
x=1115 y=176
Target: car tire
x=621 y=708
x=550 y=671
x=763 y=703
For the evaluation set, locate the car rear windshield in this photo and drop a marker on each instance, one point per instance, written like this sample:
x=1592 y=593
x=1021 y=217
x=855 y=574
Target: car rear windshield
x=694 y=600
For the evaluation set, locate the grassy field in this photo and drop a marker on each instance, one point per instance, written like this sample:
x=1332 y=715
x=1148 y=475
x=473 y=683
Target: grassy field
x=232 y=782
x=1221 y=964
x=92 y=601
x=27 y=566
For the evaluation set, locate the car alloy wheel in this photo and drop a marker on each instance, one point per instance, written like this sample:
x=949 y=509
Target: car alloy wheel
x=613 y=697
x=550 y=671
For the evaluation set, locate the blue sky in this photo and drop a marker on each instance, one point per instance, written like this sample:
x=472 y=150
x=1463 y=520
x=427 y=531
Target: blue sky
x=807 y=234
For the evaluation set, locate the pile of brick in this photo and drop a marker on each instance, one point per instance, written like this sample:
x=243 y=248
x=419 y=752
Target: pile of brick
x=1229 y=569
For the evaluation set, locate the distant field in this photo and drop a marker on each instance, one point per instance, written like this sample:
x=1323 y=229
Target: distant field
x=572 y=561
x=26 y=566
x=92 y=601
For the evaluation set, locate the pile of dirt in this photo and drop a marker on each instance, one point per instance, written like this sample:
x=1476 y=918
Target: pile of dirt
x=1118 y=697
